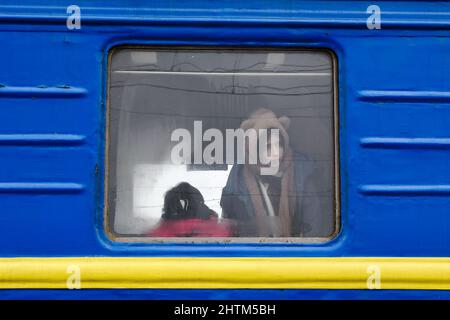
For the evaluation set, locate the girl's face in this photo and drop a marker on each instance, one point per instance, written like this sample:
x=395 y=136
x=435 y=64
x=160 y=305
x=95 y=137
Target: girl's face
x=273 y=155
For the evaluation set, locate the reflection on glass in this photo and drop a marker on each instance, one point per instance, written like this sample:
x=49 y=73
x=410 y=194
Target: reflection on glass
x=221 y=144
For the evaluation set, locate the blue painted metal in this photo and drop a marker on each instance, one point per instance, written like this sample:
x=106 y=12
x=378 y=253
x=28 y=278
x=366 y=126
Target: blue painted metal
x=40 y=187
x=404 y=96
x=41 y=139
x=394 y=114
x=412 y=143
x=205 y=294
x=408 y=190
x=40 y=91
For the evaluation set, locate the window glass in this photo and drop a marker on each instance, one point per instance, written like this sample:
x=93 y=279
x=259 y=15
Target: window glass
x=234 y=144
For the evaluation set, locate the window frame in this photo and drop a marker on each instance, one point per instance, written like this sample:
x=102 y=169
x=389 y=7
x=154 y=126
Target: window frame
x=108 y=218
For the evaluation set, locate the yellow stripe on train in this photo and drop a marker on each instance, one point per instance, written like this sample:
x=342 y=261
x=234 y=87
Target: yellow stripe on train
x=226 y=273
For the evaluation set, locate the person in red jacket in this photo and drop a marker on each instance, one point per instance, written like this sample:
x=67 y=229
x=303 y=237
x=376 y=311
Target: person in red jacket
x=185 y=214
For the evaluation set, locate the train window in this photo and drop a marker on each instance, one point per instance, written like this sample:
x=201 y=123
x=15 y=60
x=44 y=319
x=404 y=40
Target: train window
x=221 y=145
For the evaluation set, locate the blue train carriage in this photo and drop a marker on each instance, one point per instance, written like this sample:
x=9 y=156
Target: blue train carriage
x=121 y=166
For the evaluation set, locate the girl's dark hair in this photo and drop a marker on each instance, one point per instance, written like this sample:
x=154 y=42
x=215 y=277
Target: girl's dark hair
x=185 y=202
